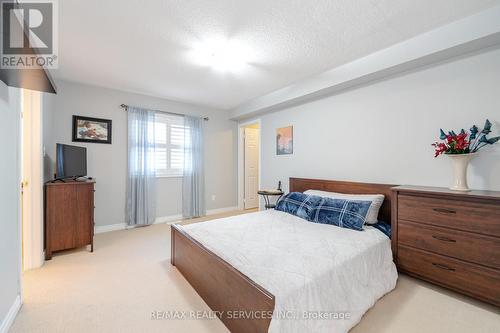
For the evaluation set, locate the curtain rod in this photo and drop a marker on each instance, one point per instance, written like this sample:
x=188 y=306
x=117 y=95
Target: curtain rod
x=125 y=107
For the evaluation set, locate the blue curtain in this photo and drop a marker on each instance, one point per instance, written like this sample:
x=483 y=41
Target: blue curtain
x=141 y=191
x=193 y=181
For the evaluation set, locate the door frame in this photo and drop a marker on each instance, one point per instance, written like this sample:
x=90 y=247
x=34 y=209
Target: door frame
x=241 y=164
x=19 y=204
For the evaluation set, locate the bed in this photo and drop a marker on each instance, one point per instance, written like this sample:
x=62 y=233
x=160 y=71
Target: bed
x=239 y=264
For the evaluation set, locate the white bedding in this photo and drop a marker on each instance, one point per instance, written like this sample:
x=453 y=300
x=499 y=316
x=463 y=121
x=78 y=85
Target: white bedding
x=310 y=268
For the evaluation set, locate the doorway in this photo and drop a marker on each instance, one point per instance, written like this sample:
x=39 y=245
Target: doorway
x=249 y=169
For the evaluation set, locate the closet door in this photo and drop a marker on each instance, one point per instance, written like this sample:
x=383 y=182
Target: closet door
x=251 y=167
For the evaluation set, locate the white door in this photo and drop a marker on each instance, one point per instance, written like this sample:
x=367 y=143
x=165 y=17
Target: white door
x=32 y=179
x=251 y=167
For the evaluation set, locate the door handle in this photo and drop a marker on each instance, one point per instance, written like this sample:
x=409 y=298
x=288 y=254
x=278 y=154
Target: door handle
x=444 y=210
x=444 y=239
x=446 y=268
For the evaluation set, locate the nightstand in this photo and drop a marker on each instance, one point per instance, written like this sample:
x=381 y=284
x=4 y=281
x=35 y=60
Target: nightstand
x=269 y=193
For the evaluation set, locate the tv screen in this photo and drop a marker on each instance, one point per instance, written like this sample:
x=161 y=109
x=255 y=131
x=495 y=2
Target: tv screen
x=71 y=161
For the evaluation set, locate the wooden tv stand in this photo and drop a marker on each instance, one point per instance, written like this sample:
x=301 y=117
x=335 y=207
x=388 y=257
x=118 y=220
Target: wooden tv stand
x=69 y=215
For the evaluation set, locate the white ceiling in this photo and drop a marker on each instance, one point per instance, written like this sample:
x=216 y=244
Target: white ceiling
x=145 y=46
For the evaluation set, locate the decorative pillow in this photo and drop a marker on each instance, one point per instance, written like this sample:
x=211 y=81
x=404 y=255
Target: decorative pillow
x=341 y=212
x=298 y=204
x=376 y=201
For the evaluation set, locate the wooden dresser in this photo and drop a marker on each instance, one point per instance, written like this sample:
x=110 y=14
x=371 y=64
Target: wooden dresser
x=449 y=238
x=69 y=216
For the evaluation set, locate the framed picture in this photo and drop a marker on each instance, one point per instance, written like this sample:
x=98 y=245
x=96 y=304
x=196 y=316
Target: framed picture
x=284 y=140
x=94 y=130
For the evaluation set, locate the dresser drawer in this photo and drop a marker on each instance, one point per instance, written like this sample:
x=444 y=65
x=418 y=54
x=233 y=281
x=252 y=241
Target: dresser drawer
x=471 y=279
x=458 y=244
x=463 y=215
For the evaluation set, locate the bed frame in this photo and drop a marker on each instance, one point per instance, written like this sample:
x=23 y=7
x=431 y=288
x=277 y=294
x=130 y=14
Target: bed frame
x=226 y=290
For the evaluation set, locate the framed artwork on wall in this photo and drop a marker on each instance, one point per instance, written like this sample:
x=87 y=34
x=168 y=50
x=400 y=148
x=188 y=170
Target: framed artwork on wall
x=94 y=130
x=284 y=140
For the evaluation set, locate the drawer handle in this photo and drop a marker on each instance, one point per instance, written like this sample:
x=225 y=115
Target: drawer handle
x=445 y=210
x=444 y=239
x=446 y=268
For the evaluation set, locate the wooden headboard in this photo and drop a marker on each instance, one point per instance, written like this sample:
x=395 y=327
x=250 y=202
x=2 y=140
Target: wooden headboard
x=303 y=184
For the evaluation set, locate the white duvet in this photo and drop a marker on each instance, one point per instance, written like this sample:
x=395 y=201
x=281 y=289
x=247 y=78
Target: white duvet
x=311 y=269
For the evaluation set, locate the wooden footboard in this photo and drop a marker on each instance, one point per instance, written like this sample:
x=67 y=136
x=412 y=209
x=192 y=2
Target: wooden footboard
x=241 y=304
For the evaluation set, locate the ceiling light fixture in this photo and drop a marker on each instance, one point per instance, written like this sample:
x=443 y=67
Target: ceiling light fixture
x=221 y=54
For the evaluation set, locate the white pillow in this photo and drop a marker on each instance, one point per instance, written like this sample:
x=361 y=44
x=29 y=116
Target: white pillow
x=376 y=199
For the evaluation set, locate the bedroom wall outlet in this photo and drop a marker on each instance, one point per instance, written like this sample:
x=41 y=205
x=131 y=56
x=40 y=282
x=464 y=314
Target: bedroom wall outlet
x=213 y=197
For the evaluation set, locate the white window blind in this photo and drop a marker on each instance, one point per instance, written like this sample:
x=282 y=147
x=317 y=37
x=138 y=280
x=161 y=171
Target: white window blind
x=169 y=141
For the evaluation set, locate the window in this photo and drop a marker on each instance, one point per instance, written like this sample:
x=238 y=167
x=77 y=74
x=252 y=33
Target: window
x=169 y=142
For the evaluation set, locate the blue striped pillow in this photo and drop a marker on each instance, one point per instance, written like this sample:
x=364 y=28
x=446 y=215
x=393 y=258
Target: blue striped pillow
x=298 y=204
x=341 y=212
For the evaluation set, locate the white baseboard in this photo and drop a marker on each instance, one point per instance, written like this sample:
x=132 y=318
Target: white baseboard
x=168 y=219
x=222 y=210
x=11 y=315
x=99 y=229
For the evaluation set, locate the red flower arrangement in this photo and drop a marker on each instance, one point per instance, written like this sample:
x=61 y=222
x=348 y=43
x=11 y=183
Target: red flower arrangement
x=454 y=144
x=464 y=142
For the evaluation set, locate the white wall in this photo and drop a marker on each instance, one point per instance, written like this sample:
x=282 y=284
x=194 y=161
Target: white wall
x=9 y=201
x=108 y=163
x=383 y=132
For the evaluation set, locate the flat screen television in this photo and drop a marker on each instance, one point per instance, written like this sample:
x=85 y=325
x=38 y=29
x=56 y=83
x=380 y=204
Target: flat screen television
x=71 y=161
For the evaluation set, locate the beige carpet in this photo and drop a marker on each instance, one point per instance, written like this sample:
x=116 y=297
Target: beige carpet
x=116 y=288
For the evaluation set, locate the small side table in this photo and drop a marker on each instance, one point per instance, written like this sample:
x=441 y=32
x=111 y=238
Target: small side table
x=269 y=193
